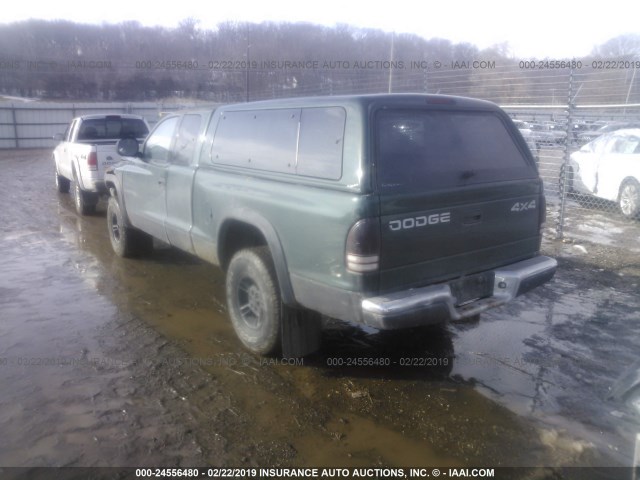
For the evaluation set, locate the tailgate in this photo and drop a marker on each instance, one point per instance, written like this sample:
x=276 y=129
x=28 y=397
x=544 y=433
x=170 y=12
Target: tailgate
x=107 y=156
x=459 y=194
x=433 y=237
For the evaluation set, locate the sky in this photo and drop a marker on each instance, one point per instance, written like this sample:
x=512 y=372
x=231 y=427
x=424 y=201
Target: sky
x=553 y=29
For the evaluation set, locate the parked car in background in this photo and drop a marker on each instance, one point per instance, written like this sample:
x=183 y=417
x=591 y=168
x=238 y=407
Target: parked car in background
x=86 y=149
x=577 y=128
x=591 y=134
x=609 y=168
x=548 y=134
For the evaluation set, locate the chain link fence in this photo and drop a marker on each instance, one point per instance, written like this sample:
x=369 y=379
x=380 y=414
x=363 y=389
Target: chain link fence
x=588 y=154
x=578 y=119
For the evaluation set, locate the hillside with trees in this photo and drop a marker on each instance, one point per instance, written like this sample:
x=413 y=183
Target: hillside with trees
x=62 y=60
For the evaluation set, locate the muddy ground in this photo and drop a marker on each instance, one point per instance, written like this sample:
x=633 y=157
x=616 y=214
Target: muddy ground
x=113 y=362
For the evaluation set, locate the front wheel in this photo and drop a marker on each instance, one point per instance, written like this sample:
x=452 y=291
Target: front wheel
x=254 y=300
x=629 y=199
x=125 y=241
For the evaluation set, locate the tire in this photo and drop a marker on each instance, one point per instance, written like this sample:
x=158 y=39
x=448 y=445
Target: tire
x=85 y=202
x=629 y=199
x=62 y=184
x=253 y=300
x=126 y=241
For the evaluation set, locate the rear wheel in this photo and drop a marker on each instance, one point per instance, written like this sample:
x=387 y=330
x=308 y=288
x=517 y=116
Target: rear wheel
x=62 y=183
x=254 y=300
x=125 y=241
x=629 y=199
x=263 y=323
x=85 y=202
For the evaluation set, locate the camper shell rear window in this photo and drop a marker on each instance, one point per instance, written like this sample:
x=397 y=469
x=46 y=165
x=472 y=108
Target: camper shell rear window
x=419 y=149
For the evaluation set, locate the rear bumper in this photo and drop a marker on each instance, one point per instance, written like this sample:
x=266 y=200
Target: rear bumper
x=436 y=303
x=92 y=181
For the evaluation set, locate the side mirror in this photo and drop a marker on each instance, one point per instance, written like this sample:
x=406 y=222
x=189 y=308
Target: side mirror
x=58 y=137
x=127 y=147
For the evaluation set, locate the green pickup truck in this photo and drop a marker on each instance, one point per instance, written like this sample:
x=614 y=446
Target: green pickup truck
x=393 y=211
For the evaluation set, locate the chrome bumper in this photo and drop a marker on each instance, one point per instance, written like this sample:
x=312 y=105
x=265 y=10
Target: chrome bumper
x=433 y=304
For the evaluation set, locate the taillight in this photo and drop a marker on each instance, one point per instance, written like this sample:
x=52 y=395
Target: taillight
x=92 y=161
x=363 y=246
x=542 y=214
x=543 y=209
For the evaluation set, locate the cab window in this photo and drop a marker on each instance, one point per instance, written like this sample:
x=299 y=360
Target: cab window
x=187 y=139
x=158 y=145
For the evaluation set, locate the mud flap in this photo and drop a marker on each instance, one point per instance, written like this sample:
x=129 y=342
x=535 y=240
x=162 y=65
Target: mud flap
x=301 y=332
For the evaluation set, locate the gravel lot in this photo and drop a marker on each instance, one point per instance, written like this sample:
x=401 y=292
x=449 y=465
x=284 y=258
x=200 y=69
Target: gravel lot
x=113 y=362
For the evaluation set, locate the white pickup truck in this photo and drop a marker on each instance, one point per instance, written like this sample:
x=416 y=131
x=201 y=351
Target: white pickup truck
x=86 y=149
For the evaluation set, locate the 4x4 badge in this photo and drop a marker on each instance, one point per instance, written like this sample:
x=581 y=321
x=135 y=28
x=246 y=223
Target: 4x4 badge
x=521 y=207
